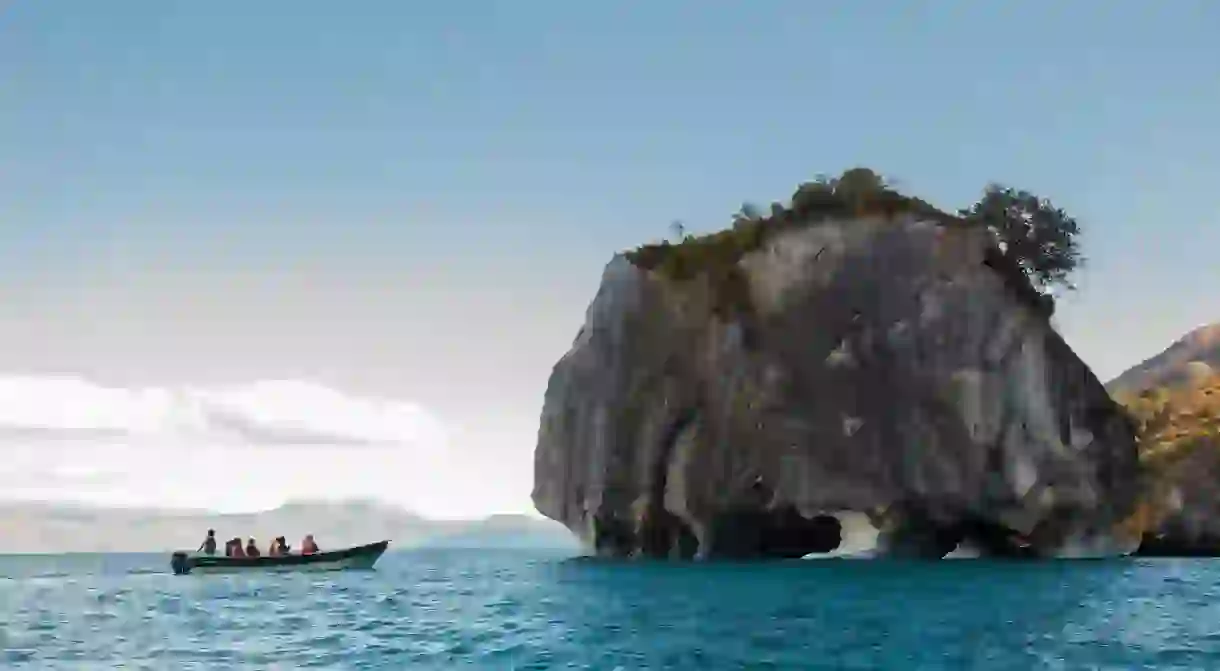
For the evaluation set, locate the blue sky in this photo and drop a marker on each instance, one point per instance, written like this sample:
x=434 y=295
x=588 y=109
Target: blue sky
x=415 y=200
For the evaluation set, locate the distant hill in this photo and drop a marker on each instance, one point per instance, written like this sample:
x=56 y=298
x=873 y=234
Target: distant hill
x=1174 y=398
x=1195 y=357
x=38 y=527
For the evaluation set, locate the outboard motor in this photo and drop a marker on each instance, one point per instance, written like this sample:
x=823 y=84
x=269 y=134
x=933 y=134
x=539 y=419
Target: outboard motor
x=179 y=564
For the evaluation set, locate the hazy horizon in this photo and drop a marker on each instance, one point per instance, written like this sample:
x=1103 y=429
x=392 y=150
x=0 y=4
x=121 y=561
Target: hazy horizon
x=322 y=503
x=65 y=527
x=257 y=252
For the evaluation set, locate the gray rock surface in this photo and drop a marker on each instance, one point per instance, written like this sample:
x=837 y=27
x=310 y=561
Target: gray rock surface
x=1185 y=498
x=1191 y=507
x=886 y=386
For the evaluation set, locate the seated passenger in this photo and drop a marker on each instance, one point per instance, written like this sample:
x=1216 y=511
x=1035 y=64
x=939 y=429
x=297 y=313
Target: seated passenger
x=273 y=548
x=252 y=549
x=283 y=545
x=237 y=551
x=308 y=547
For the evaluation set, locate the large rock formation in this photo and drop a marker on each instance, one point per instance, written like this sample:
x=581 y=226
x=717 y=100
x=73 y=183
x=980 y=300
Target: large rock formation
x=1184 y=502
x=1179 y=427
x=884 y=382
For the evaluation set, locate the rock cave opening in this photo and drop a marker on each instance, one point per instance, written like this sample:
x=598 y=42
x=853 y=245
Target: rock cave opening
x=772 y=534
x=988 y=538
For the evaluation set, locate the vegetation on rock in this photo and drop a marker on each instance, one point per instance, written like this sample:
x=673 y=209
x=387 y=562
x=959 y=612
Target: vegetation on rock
x=1040 y=237
x=1170 y=420
x=1036 y=242
x=1173 y=424
x=1173 y=399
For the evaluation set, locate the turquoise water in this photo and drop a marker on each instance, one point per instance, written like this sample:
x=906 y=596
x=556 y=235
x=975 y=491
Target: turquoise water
x=457 y=609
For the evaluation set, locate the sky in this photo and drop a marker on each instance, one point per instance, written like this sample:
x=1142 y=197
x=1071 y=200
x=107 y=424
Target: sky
x=379 y=225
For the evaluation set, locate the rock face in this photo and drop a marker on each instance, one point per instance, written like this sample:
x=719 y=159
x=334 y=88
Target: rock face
x=1188 y=523
x=886 y=389
x=1180 y=450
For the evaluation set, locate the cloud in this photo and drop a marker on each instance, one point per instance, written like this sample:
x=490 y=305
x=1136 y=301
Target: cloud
x=249 y=447
x=267 y=413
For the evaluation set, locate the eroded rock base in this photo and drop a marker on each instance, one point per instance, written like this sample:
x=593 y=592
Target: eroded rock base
x=786 y=534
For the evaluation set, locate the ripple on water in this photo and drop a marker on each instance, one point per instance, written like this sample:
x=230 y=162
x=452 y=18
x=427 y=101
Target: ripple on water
x=433 y=610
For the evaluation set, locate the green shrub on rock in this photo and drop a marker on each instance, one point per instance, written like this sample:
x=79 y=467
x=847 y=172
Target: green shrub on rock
x=1037 y=248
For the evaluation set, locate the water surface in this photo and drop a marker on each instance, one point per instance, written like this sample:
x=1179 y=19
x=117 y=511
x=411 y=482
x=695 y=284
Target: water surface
x=468 y=609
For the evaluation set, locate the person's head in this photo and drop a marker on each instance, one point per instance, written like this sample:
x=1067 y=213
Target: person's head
x=251 y=541
x=211 y=533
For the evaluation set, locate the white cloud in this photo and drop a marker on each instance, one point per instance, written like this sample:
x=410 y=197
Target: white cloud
x=69 y=439
x=262 y=412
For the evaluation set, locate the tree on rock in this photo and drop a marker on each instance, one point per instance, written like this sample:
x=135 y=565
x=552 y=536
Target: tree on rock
x=1040 y=237
x=847 y=194
x=859 y=182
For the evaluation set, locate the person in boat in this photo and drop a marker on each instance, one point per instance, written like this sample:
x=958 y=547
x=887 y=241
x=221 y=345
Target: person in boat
x=277 y=547
x=233 y=548
x=308 y=546
x=208 y=547
x=252 y=549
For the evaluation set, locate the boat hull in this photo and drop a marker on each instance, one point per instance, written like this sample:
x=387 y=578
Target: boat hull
x=362 y=557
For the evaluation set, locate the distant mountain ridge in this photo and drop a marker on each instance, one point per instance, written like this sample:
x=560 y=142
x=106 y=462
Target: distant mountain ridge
x=52 y=527
x=1193 y=357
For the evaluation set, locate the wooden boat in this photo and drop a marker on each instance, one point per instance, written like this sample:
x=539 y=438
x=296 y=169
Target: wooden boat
x=359 y=557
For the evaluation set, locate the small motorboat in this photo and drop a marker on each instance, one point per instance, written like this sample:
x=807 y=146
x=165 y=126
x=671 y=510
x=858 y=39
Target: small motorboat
x=359 y=557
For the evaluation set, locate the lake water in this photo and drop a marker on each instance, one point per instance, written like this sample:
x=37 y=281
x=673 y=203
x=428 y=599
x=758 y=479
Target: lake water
x=467 y=609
